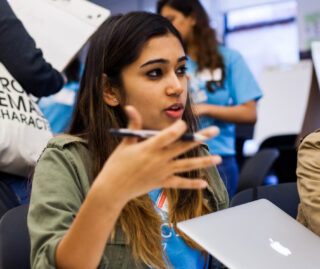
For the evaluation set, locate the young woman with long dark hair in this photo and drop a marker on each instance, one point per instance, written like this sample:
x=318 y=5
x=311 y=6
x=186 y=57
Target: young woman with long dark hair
x=101 y=201
x=222 y=87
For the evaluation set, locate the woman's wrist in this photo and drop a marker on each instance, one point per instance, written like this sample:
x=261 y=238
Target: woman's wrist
x=107 y=196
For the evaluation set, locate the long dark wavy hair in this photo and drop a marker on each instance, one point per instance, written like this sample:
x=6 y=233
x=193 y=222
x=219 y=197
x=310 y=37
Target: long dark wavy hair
x=118 y=43
x=207 y=54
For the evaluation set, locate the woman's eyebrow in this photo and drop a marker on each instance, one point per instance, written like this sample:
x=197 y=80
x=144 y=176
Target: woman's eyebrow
x=163 y=61
x=183 y=58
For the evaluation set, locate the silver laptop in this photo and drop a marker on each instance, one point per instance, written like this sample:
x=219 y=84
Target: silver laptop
x=256 y=235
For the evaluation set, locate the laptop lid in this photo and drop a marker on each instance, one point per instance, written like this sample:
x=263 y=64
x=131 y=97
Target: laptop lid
x=255 y=235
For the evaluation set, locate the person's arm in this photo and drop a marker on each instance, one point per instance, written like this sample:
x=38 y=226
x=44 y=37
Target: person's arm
x=243 y=90
x=23 y=60
x=308 y=174
x=244 y=113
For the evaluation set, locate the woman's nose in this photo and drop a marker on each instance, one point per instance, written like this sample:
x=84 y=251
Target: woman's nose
x=175 y=86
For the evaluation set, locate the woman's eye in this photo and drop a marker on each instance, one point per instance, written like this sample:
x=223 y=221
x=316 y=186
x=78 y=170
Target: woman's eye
x=154 y=73
x=182 y=70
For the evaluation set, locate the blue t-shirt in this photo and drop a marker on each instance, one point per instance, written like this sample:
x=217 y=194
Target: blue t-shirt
x=239 y=87
x=180 y=255
x=58 y=108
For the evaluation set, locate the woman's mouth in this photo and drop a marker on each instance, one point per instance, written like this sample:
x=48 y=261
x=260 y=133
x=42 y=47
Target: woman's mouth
x=175 y=111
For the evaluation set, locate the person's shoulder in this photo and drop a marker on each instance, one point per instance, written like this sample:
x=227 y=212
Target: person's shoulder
x=315 y=134
x=68 y=148
x=229 y=55
x=228 y=52
x=311 y=140
x=64 y=140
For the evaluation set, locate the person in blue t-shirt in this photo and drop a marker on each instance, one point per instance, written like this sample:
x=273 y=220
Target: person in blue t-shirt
x=222 y=87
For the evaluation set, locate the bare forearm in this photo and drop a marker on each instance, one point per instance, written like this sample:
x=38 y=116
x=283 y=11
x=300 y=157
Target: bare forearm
x=83 y=245
x=244 y=114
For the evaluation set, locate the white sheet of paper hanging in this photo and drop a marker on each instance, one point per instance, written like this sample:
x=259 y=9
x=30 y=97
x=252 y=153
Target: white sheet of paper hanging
x=60 y=27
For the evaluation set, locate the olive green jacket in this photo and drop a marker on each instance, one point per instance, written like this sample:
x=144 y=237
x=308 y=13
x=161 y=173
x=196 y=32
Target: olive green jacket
x=61 y=182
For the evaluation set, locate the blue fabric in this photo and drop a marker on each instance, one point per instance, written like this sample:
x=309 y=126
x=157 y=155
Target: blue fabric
x=239 y=87
x=19 y=185
x=180 y=255
x=229 y=172
x=58 y=108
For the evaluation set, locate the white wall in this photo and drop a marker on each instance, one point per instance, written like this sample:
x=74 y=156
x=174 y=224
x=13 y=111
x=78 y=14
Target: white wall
x=227 y=5
x=216 y=16
x=285 y=98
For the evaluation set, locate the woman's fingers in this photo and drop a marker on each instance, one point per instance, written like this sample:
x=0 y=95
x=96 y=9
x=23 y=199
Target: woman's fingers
x=169 y=135
x=181 y=147
x=189 y=164
x=135 y=123
x=176 y=182
x=210 y=132
x=135 y=120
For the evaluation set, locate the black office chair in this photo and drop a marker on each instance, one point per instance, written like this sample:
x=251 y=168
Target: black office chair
x=282 y=141
x=285 y=166
x=255 y=169
x=14 y=239
x=285 y=196
x=8 y=199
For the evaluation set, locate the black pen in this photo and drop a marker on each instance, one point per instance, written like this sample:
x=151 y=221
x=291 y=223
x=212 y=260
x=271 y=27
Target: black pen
x=150 y=133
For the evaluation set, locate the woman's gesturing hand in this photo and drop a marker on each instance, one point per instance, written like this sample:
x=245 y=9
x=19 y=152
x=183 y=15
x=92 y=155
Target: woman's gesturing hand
x=135 y=168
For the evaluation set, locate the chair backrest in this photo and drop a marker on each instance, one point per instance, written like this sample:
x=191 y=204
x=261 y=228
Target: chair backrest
x=285 y=166
x=279 y=141
x=285 y=196
x=14 y=239
x=8 y=199
x=255 y=169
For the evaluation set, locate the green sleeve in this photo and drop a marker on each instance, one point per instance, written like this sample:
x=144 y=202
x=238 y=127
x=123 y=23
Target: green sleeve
x=57 y=194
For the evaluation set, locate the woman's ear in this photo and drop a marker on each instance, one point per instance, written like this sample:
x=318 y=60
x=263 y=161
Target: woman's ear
x=110 y=94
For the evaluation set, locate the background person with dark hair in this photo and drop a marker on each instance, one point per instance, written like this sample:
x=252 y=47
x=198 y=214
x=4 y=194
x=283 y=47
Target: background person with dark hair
x=222 y=87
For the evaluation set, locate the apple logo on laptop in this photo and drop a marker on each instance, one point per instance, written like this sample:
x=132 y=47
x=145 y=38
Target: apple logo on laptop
x=279 y=248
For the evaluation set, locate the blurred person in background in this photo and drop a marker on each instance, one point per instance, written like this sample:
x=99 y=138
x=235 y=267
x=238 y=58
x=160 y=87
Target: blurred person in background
x=222 y=87
x=25 y=62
